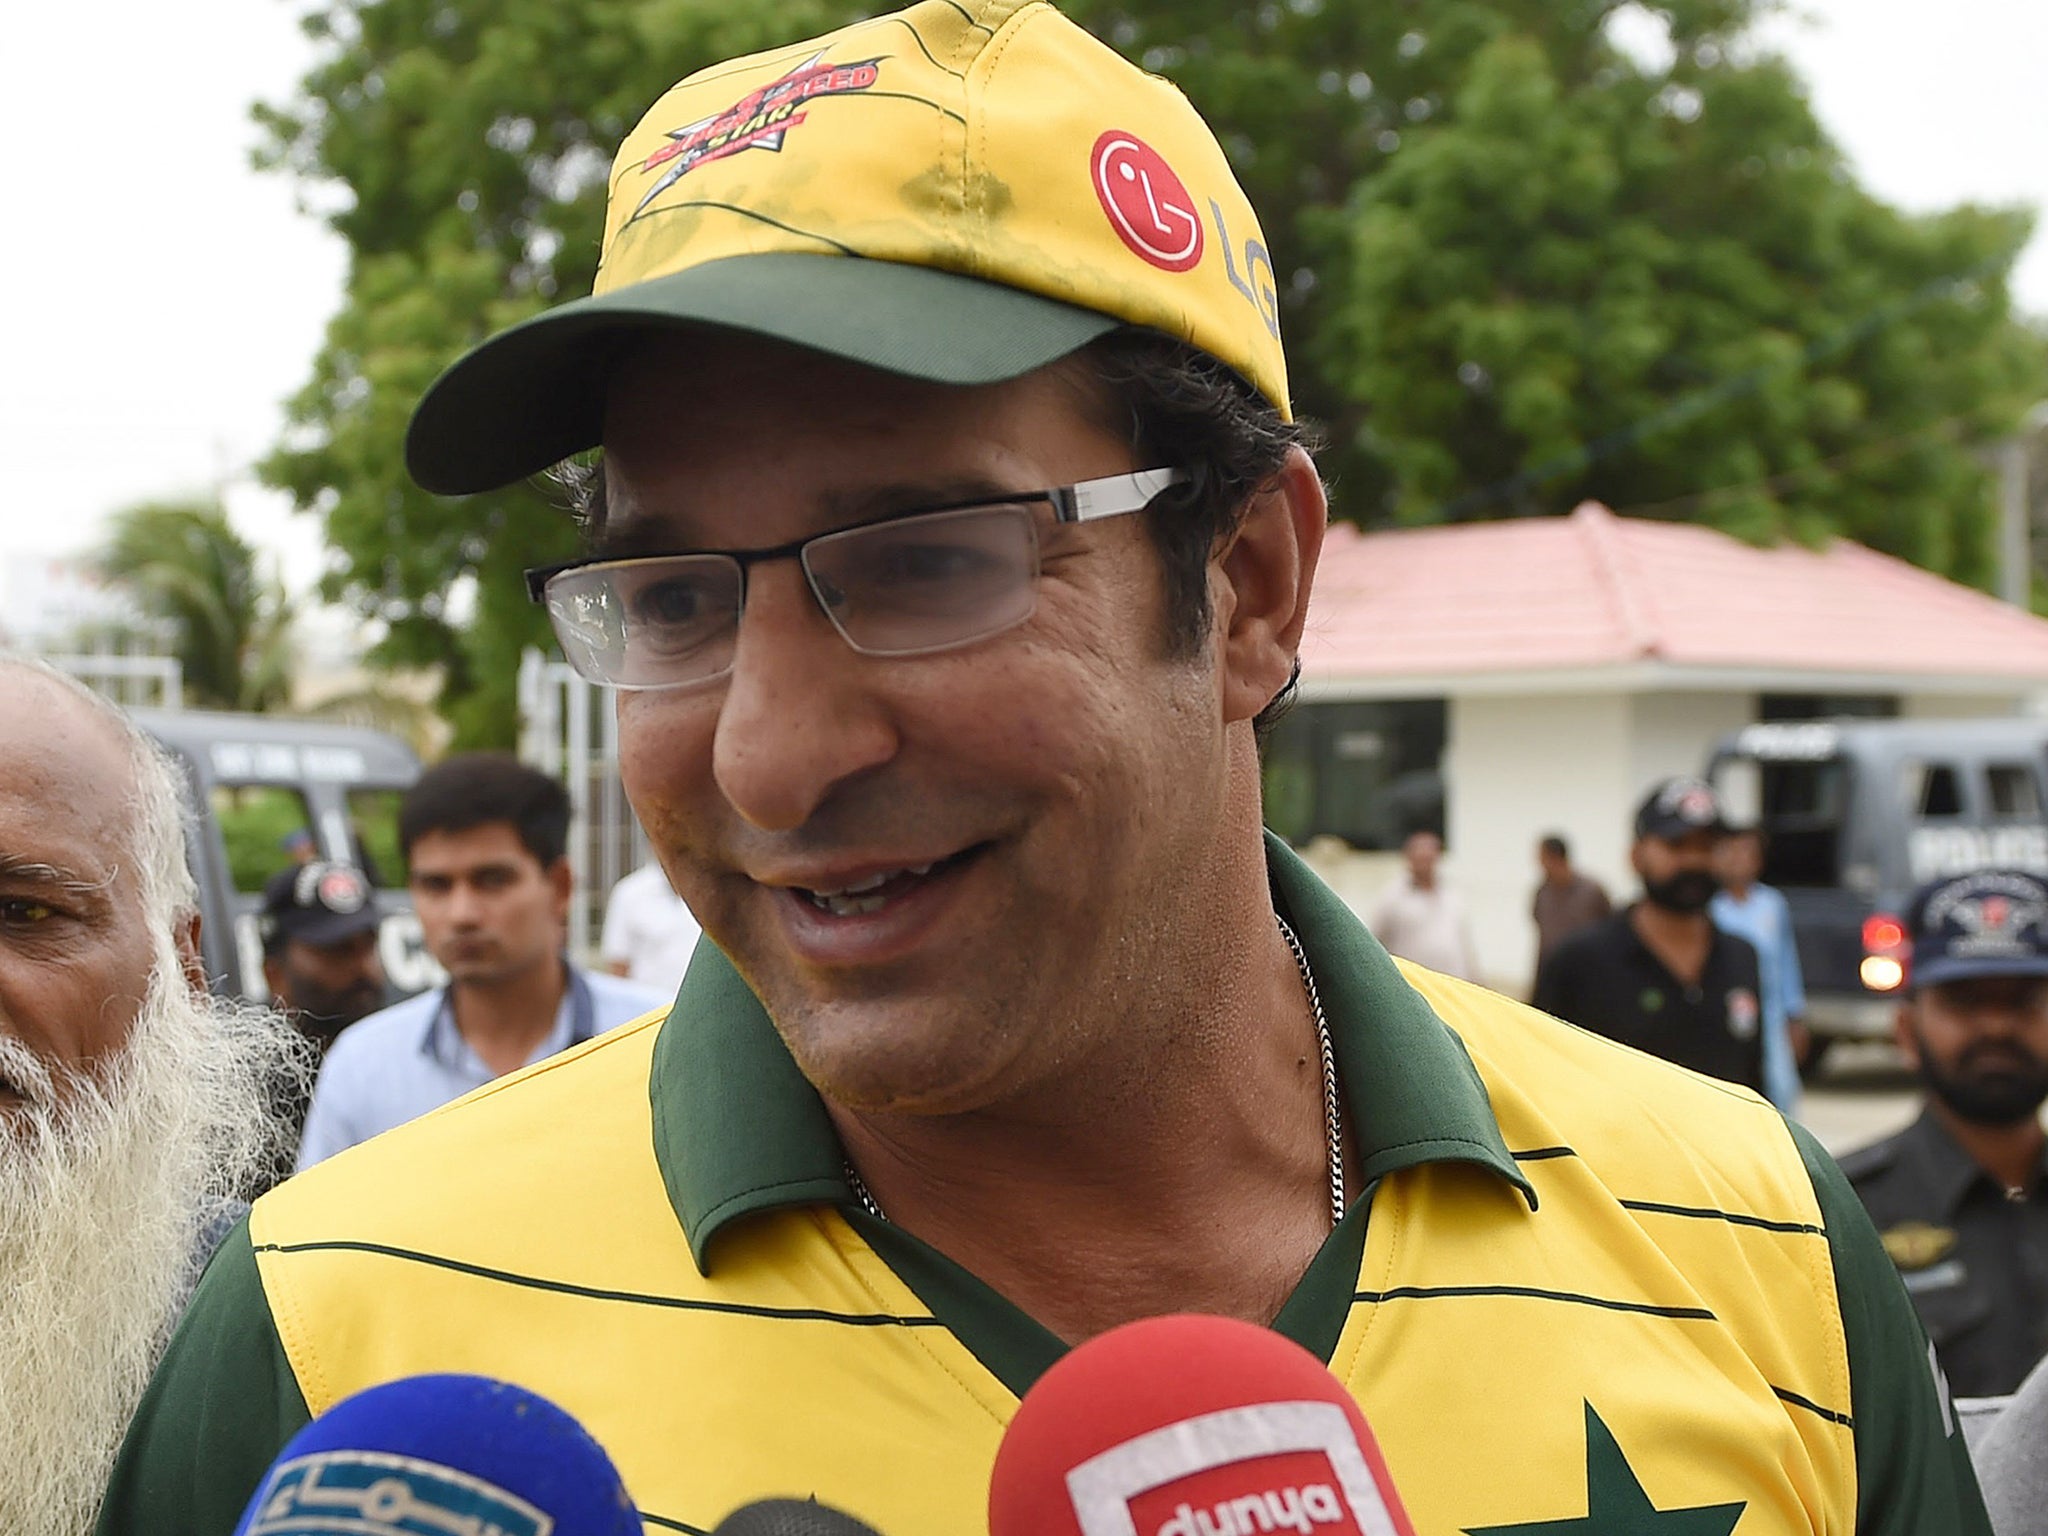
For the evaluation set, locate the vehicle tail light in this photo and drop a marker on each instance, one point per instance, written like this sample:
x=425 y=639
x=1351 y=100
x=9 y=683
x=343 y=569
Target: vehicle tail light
x=1884 y=953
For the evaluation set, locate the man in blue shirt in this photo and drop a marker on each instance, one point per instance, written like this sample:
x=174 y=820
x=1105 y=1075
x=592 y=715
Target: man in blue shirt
x=1751 y=910
x=485 y=841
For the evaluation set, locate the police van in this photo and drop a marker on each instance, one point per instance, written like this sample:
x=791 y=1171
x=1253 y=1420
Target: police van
x=1857 y=813
x=271 y=792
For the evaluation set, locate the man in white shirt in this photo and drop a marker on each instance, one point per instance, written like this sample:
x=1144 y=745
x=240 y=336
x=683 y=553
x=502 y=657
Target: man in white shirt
x=1419 y=920
x=649 y=935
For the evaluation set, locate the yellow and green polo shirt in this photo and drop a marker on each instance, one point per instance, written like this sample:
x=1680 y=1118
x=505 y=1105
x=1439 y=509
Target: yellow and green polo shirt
x=1583 y=1294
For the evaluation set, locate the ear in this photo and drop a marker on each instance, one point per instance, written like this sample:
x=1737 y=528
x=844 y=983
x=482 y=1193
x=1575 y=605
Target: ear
x=273 y=977
x=562 y=882
x=191 y=958
x=1260 y=585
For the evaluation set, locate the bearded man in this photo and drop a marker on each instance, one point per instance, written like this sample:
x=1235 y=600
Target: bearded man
x=1661 y=975
x=1960 y=1196
x=131 y=1103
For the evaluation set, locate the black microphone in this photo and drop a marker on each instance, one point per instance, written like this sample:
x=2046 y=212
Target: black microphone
x=791 y=1517
x=443 y=1454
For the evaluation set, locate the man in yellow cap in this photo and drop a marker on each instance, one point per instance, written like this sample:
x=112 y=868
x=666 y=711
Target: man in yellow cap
x=951 y=540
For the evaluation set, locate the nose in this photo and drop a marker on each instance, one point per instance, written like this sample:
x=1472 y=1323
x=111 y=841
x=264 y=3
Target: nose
x=800 y=713
x=465 y=907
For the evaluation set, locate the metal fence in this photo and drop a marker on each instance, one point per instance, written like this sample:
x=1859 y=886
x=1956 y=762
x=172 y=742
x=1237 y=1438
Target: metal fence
x=567 y=729
x=131 y=679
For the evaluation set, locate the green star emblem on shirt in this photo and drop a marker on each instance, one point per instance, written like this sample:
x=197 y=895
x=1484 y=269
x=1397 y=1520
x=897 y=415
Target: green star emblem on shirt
x=1616 y=1504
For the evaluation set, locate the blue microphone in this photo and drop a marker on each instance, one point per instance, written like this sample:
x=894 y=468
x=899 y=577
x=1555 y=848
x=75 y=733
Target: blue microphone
x=440 y=1455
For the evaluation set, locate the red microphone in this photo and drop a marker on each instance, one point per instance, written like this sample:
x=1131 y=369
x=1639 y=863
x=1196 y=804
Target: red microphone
x=1191 y=1426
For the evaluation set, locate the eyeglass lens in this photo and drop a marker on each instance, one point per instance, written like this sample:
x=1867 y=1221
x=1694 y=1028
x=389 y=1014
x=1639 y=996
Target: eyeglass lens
x=895 y=588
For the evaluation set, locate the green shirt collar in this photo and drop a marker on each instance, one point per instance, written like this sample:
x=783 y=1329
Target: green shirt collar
x=737 y=1129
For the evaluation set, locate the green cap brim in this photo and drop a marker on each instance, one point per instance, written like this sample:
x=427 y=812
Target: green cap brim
x=535 y=394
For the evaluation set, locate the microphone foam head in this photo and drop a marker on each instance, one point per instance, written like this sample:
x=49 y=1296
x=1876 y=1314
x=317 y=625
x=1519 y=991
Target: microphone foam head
x=790 y=1517
x=1191 y=1426
x=427 y=1455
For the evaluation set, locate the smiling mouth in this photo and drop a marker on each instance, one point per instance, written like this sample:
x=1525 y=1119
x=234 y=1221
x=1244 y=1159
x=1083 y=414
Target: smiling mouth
x=878 y=890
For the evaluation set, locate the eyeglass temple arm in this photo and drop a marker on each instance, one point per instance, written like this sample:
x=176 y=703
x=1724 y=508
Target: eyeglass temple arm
x=1112 y=495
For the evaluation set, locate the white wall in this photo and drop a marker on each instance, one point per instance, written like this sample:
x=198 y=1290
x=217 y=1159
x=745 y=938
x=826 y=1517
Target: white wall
x=1514 y=769
x=1575 y=764
x=1672 y=733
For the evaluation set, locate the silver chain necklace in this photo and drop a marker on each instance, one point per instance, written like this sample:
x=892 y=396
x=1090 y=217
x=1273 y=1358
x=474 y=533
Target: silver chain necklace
x=1332 y=1118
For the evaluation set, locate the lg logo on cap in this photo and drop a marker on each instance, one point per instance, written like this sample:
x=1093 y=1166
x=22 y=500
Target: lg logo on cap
x=1146 y=202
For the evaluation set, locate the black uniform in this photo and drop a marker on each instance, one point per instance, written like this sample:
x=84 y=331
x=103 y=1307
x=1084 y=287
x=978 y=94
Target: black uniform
x=1974 y=1259
x=1604 y=978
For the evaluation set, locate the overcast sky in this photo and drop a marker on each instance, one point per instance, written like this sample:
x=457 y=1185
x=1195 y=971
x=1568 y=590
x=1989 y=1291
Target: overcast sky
x=163 y=299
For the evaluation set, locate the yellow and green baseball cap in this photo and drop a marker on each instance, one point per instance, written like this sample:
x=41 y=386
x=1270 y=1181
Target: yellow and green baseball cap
x=961 y=192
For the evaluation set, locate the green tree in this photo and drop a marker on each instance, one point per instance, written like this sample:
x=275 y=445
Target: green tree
x=1517 y=265
x=198 y=582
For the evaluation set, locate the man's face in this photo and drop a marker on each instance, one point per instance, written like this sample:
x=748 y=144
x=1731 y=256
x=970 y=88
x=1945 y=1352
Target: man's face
x=1423 y=850
x=327 y=987
x=489 y=909
x=1554 y=864
x=1013 y=820
x=1739 y=860
x=1678 y=873
x=75 y=949
x=1981 y=1045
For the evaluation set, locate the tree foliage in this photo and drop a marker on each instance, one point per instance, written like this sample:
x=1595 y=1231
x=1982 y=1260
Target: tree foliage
x=1519 y=266
x=198 y=581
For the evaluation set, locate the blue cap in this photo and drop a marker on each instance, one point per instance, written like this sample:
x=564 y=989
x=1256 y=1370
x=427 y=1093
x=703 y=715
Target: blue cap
x=430 y=1455
x=1991 y=922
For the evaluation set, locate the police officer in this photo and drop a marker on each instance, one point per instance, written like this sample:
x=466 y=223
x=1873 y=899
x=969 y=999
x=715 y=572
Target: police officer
x=1961 y=1195
x=319 y=925
x=1659 y=975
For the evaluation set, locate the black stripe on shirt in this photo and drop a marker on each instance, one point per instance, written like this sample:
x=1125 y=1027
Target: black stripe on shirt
x=1533 y=1293
x=1734 y=1218
x=594 y=1293
x=1812 y=1407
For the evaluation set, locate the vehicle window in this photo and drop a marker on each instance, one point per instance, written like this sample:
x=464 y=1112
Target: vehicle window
x=1933 y=791
x=259 y=823
x=1368 y=771
x=2011 y=792
x=1800 y=804
x=373 y=826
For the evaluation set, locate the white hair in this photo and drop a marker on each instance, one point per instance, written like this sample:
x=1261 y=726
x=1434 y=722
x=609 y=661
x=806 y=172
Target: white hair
x=112 y=1176
x=158 y=811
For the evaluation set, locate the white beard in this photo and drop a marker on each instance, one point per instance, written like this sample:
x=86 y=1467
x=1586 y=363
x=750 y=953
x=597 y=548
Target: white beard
x=107 y=1182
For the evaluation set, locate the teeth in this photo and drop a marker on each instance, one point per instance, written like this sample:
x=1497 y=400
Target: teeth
x=851 y=900
x=849 y=906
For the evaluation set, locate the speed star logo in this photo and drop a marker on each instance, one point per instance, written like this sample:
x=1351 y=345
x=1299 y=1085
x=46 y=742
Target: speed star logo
x=758 y=120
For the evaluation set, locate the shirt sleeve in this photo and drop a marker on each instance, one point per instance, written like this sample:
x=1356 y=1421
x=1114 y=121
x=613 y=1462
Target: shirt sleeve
x=1913 y=1475
x=1791 y=980
x=1552 y=992
x=222 y=1403
x=327 y=1130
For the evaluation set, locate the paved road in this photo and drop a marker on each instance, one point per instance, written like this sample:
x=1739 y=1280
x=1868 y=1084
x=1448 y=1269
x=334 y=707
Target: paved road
x=1864 y=1092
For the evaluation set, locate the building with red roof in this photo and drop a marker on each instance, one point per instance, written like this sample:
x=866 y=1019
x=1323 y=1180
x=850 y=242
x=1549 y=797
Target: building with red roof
x=1555 y=667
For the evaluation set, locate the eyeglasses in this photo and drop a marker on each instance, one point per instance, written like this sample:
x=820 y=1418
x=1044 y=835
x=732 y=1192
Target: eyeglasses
x=917 y=582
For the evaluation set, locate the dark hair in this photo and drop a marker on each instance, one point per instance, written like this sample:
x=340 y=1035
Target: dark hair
x=1175 y=405
x=1555 y=847
x=473 y=789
